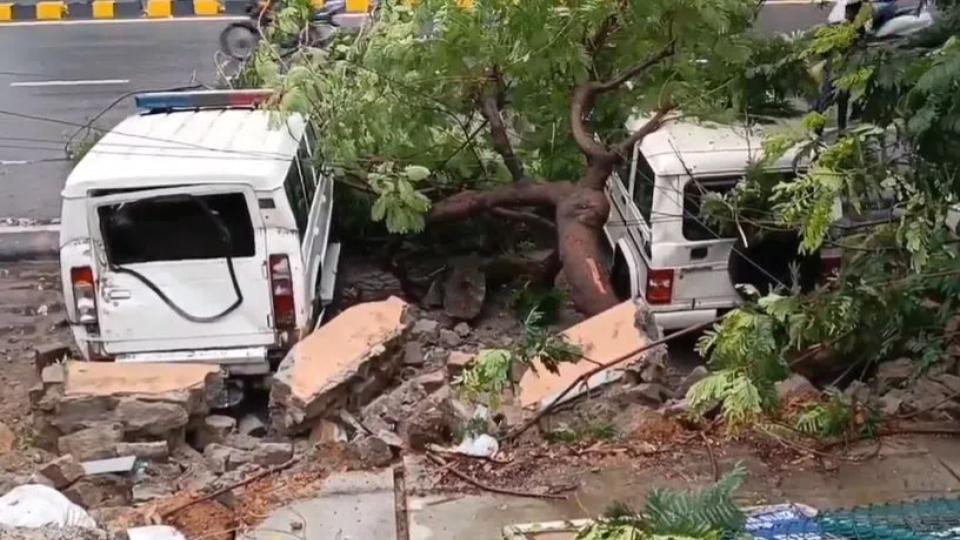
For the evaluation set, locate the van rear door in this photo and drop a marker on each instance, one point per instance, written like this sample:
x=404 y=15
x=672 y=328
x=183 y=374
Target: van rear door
x=163 y=262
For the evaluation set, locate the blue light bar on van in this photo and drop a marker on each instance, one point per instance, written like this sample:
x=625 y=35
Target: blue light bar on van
x=205 y=99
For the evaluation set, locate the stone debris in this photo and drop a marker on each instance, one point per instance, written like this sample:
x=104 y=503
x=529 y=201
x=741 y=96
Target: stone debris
x=895 y=372
x=464 y=289
x=458 y=361
x=426 y=330
x=119 y=465
x=413 y=354
x=372 y=451
x=462 y=329
x=449 y=338
x=252 y=426
x=696 y=375
x=7 y=438
x=61 y=472
x=214 y=429
x=603 y=338
x=356 y=351
x=98 y=442
x=796 y=388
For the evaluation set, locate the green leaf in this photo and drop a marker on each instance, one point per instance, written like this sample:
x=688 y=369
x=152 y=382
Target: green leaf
x=416 y=173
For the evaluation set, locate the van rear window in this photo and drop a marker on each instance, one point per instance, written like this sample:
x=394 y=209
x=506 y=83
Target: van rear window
x=175 y=228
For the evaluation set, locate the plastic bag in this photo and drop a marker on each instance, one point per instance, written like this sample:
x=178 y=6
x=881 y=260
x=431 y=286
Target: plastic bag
x=34 y=505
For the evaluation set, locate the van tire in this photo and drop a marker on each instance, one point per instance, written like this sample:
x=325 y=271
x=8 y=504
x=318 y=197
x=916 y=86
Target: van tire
x=774 y=253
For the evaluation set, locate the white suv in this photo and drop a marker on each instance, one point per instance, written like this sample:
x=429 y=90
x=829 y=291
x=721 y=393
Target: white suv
x=664 y=250
x=198 y=230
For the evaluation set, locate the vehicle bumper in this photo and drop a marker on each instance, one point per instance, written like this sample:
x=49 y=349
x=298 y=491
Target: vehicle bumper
x=675 y=320
x=236 y=361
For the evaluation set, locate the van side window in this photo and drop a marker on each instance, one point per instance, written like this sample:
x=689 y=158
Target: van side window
x=694 y=225
x=643 y=187
x=306 y=167
x=296 y=194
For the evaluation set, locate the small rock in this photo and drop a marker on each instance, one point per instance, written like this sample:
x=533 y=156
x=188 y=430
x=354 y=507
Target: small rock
x=895 y=372
x=948 y=380
x=149 y=491
x=449 y=338
x=62 y=471
x=796 y=388
x=425 y=329
x=413 y=354
x=858 y=391
x=214 y=429
x=49 y=354
x=150 y=451
x=433 y=380
x=891 y=402
x=434 y=296
x=425 y=425
x=327 y=431
x=53 y=374
x=462 y=329
x=698 y=374
x=269 y=454
x=222 y=458
x=98 y=442
x=458 y=361
x=464 y=289
x=100 y=490
x=391 y=438
x=156 y=418
x=372 y=451
x=648 y=393
x=252 y=426
x=7 y=438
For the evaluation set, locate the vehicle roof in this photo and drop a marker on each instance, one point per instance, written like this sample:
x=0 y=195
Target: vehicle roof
x=206 y=146
x=704 y=147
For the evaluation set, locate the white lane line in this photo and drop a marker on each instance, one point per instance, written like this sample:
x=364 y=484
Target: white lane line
x=40 y=84
x=82 y=22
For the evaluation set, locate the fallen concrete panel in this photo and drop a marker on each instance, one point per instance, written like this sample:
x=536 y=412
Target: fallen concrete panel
x=136 y=380
x=112 y=465
x=354 y=504
x=603 y=338
x=355 y=347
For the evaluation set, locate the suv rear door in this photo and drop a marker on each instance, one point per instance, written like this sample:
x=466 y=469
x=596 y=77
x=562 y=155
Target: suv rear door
x=158 y=243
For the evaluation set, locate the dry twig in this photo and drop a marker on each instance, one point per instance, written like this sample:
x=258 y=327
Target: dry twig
x=487 y=487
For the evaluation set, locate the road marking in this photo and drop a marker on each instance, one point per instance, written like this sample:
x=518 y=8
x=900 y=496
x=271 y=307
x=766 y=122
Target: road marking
x=225 y=18
x=40 y=84
x=24 y=229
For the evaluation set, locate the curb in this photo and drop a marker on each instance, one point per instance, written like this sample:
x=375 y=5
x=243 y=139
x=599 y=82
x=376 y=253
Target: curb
x=61 y=10
x=29 y=243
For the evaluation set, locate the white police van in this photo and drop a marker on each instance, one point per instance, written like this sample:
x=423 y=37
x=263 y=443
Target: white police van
x=663 y=249
x=198 y=230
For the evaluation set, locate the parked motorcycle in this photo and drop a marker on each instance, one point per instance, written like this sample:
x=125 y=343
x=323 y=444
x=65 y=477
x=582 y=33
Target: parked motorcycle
x=890 y=21
x=239 y=40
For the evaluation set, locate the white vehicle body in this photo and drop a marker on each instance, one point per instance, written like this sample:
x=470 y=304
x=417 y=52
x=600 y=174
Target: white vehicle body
x=157 y=212
x=663 y=251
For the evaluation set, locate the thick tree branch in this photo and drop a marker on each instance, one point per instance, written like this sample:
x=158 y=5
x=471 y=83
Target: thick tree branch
x=526 y=217
x=584 y=97
x=490 y=109
x=625 y=147
x=467 y=204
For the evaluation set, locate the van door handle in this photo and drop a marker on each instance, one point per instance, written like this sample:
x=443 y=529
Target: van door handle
x=118 y=294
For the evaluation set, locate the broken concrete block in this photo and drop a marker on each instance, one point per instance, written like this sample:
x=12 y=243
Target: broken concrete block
x=252 y=426
x=372 y=451
x=49 y=354
x=117 y=465
x=214 y=429
x=53 y=374
x=895 y=372
x=696 y=375
x=462 y=329
x=221 y=458
x=458 y=361
x=269 y=454
x=151 y=417
x=101 y=490
x=603 y=338
x=796 y=388
x=150 y=451
x=62 y=471
x=391 y=438
x=80 y=412
x=433 y=380
x=319 y=371
x=425 y=329
x=464 y=289
x=98 y=442
x=449 y=338
x=188 y=385
x=150 y=491
x=327 y=431
x=413 y=354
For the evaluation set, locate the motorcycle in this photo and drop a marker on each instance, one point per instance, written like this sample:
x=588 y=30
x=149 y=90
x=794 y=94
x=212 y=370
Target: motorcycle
x=889 y=22
x=239 y=40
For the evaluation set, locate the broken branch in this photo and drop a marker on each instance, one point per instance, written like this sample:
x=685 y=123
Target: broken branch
x=636 y=70
x=231 y=487
x=467 y=204
x=501 y=140
x=625 y=148
x=583 y=378
x=487 y=487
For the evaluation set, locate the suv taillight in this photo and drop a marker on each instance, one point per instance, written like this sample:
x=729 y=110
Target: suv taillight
x=84 y=294
x=659 y=287
x=281 y=287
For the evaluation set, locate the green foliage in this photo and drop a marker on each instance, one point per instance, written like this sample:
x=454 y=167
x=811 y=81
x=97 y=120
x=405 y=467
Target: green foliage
x=548 y=302
x=489 y=376
x=542 y=346
x=398 y=204
x=705 y=515
x=838 y=417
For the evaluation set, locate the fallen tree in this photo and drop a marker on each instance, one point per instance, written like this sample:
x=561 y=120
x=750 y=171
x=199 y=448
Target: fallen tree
x=516 y=110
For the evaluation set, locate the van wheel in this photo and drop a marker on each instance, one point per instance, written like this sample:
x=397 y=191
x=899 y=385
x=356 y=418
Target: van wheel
x=766 y=264
x=620 y=276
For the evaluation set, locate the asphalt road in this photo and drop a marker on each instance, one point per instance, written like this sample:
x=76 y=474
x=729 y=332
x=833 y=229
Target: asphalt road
x=70 y=72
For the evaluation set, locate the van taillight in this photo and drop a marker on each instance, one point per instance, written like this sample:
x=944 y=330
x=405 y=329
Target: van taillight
x=281 y=286
x=84 y=294
x=659 y=287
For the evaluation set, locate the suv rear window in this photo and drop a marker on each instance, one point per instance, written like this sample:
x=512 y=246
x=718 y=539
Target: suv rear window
x=176 y=228
x=695 y=226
